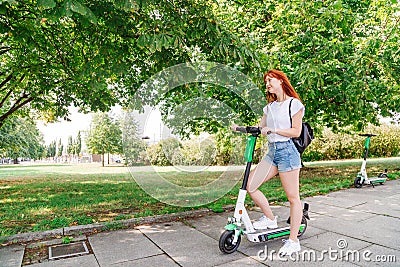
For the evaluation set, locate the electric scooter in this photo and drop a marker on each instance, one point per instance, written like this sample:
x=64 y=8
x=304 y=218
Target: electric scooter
x=362 y=177
x=231 y=237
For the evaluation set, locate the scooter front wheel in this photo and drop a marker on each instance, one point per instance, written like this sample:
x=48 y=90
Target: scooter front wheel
x=225 y=242
x=357 y=182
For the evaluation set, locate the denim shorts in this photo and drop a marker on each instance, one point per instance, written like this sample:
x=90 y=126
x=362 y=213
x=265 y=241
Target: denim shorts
x=283 y=155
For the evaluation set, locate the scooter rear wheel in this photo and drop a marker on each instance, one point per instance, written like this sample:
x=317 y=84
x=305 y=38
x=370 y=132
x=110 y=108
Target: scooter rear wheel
x=357 y=182
x=225 y=242
x=383 y=175
x=303 y=221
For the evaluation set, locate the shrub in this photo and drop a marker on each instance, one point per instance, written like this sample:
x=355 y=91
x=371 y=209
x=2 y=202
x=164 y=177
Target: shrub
x=228 y=148
x=162 y=153
x=331 y=146
x=198 y=151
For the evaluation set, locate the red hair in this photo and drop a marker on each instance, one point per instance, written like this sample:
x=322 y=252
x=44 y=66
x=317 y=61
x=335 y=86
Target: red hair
x=286 y=86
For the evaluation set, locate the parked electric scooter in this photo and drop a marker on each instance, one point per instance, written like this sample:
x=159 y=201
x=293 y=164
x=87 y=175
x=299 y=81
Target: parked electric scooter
x=231 y=237
x=362 y=177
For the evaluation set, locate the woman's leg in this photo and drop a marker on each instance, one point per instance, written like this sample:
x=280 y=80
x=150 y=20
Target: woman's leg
x=290 y=183
x=262 y=173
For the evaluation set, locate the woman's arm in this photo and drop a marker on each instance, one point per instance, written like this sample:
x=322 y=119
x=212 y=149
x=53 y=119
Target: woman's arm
x=295 y=131
x=263 y=121
x=261 y=124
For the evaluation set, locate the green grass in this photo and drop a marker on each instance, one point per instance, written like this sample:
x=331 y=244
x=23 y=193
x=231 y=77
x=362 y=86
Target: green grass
x=43 y=197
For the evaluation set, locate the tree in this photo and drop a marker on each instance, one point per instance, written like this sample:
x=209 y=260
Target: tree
x=70 y=146
x=133 y=145
x=344 y=62
x=104 y=135
x=342 y=56
x=51 y=149
x=21 y=138
x=78 y=144
x=60 y=148
x=67 y=52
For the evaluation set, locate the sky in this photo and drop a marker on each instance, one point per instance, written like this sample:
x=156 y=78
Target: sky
x=150 y=123
x=64 y=129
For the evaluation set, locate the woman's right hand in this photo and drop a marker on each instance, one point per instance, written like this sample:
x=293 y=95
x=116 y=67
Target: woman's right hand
x=234 y=127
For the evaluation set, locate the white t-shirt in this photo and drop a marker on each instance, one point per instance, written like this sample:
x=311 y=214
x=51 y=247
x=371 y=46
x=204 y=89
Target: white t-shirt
x=278 y=116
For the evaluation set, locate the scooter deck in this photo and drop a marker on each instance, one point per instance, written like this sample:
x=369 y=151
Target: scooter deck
x=375 y=180
x=265 y=235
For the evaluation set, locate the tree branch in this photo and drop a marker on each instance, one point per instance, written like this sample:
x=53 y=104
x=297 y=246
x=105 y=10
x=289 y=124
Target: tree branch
x=4 y=50
x=387 y=36
x=9 y=77
x=59 y=53
x=17 y=105
x=5 y=98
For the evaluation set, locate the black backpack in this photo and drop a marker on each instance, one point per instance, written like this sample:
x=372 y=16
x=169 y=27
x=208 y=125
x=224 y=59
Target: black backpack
x=306 y=136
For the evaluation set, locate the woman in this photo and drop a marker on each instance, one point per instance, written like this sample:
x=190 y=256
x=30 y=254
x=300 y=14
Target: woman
x=282 y=157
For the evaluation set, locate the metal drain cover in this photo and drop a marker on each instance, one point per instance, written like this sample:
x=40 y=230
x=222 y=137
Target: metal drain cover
x=67 y=250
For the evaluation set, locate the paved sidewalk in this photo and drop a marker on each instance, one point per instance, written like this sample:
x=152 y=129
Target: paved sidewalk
x=354 y=227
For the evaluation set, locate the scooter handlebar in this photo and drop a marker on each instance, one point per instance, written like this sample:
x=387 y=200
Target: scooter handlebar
x=249 y=129
x=367 y=135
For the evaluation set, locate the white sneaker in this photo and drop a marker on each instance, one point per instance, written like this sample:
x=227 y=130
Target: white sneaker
x=289 y=247
x=265 y=223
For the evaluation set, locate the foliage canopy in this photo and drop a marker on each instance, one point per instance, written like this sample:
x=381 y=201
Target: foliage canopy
x=342 y=56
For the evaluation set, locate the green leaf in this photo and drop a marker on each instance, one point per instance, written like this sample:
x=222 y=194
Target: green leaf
x=3 y=9
x=78 y=8
x=8 y=1
x=46 y=4
x=91 y=16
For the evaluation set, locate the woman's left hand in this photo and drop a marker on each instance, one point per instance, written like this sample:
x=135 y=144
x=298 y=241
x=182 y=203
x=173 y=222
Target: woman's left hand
x=266 y=130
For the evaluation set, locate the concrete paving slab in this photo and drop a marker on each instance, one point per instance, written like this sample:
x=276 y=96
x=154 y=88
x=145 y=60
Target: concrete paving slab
x=380 y=230
x=121 y=246
x=254 y=249
x=212 y=226
x=366 y=194
x=187 y=246
x=242 y=262
x=334 y=242
x=334 y=201
x=87 y=261
x=387 y=207
x=353 y=215
x=311 y=231
x=158 y=261
x=11 y=256
x=383 y=230
x=339 y=226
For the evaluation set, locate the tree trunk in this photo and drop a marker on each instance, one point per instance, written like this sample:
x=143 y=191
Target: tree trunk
x=102 y=157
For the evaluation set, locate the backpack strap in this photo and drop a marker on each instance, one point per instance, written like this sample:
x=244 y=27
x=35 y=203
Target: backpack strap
x=290 y=113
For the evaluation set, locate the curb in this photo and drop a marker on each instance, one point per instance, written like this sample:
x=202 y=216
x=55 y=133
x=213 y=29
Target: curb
x=108 y=226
